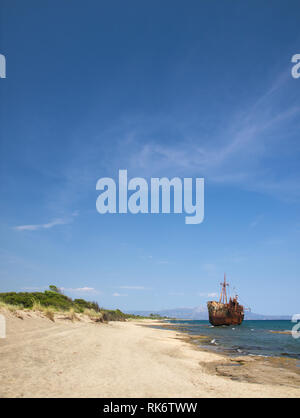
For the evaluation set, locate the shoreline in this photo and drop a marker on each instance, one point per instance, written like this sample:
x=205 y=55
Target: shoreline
x=42 y=358
x=200 y=338
x=286 y=365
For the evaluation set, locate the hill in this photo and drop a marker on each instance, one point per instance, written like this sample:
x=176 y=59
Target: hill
x=200 y=313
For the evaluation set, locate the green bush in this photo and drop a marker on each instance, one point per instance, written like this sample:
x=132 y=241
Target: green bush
x=47 y=298
x=83 y=304
x=55 y=300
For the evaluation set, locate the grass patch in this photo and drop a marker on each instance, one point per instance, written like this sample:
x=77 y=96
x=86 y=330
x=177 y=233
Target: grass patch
x=93 y=315
x=71 y=314
x=9 y=307
x=49 y=313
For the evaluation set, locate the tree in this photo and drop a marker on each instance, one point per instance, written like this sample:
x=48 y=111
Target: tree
x=55 y=289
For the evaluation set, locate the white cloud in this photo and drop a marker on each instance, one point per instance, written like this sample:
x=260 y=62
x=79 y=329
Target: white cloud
x=85 y=289
x=208 y=295
x=51 y=224
x=133 y=287
x=40 y=226
x=209 y=267
x=176 y=294
x=116 y=294
x=32 y=288
x=146 y=257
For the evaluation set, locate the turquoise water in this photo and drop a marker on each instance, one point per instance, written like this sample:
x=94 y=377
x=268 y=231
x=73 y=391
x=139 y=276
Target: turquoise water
x=252 y=337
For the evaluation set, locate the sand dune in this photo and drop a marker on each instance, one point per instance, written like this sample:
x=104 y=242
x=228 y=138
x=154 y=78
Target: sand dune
x=41 y=358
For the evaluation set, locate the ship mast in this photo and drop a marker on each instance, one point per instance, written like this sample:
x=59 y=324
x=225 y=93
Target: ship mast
x=223 y=297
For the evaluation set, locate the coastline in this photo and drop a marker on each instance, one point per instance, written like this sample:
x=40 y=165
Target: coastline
x=235 y=346
x=261 y=369
x=42 y=358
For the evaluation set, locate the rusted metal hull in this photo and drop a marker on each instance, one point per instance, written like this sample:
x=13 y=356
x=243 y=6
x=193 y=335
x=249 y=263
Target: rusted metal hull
x=225 y=314
x=216 y=320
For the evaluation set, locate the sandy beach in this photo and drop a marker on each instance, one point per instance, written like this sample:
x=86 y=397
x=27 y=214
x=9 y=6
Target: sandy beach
x=42 y=358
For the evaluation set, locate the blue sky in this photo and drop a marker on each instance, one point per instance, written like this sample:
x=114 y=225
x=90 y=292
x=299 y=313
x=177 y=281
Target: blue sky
x=197 y=89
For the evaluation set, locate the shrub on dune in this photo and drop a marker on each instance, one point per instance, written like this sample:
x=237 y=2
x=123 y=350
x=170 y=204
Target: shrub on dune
x=53 y=300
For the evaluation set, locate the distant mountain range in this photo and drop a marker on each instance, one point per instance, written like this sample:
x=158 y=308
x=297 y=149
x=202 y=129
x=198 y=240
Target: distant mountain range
x=200 y=313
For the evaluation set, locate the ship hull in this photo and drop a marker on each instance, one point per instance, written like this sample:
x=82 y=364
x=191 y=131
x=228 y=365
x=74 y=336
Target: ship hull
x=225 y=314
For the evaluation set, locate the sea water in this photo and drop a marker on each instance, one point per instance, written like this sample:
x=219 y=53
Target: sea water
x=250 y=338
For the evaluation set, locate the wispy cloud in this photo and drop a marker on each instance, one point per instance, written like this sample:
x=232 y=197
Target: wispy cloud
x=35 y=227
x=256 y=221
x=236 y=159
x=133 y=287
x=48 y=225
x=84 y=289
x=116 y=294
x=244 y=150
x=208 y=295
x=151 y=258
x=209 y=267
x=176 y=294
x=146 y=257
x=237 y=153
x=32 y=288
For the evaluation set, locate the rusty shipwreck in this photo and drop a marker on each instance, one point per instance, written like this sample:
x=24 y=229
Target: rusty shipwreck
x=225 y=312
